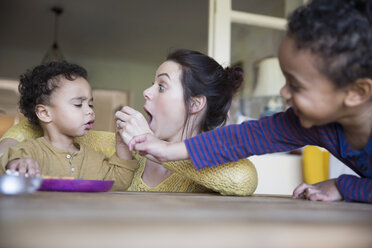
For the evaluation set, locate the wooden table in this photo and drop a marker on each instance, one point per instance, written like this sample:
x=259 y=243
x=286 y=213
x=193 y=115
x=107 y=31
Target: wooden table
x=105 y=220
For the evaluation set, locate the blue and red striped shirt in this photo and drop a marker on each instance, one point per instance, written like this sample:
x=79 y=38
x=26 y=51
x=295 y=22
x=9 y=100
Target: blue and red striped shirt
x=283 y=132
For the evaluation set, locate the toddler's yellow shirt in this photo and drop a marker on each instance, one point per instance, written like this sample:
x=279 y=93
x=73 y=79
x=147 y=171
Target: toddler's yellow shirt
x=85 y=164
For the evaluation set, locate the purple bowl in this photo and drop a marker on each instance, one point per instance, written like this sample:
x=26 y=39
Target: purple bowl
x=76 y=185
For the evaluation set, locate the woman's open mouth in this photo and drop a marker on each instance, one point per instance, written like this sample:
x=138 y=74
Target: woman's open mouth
x=149 y=116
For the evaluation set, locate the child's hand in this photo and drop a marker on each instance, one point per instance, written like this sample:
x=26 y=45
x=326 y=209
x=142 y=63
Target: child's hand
x=149 y=145
x=131 y=123
x=323 y=191
x=24 y=165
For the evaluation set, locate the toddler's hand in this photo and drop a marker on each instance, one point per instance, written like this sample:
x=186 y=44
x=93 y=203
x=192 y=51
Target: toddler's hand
x=24 y=165
x=322 y=191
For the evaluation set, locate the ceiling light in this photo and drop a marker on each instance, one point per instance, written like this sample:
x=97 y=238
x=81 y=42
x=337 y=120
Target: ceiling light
x=54 y=53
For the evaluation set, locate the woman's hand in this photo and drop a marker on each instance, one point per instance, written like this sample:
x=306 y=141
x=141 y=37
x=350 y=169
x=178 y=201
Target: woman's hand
x=131 y=123
x=23 y=166
x=322 y=191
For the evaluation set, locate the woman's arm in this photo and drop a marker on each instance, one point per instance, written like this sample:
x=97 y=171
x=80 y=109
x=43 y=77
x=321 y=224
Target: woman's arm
x=235 y=178
x=18 y=133
x=22 y=131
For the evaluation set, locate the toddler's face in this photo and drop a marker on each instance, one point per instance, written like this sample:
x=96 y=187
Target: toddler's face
x=314 y=98
x=72 y=107
x=165 y=102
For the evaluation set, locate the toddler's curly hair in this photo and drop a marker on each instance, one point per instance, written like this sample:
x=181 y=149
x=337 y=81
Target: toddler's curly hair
x=339 y=32
x=38 y=84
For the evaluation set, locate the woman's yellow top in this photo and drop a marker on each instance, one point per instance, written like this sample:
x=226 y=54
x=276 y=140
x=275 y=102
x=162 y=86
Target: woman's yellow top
x=173 y=183
x=236 y=178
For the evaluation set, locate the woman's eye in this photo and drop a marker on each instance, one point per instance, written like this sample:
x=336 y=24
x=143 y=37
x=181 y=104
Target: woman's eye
x=91 y=106
x=78 y=105
x=161 y=88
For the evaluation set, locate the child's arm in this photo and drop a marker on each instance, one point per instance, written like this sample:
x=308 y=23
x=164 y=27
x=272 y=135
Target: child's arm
x=122 y=150
x=23 y=166
x=347 y=187
x=97 y=166
x=354 y=188
x=278 y=133
x=150 y=146
x=120 y=170
x=21 y=158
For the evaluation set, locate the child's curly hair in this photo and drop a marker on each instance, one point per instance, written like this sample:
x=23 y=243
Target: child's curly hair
x=38 y=84
x=339 y=32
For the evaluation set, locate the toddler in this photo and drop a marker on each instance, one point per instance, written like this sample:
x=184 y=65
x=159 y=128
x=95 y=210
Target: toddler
x=58 y=97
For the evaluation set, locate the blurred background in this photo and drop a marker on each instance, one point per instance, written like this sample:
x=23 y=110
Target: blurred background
x=122 y=42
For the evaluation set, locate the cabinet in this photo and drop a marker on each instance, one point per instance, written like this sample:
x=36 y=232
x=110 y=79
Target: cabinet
x=278 y=173
x=106 y=103
x=9 y=97
x=9 y=114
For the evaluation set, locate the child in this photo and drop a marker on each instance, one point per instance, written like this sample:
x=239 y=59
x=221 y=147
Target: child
x=58 y=97
x=326 y=58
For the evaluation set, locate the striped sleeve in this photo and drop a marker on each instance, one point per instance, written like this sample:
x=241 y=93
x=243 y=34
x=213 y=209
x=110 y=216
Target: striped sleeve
x=278 y=133
x=353 y=188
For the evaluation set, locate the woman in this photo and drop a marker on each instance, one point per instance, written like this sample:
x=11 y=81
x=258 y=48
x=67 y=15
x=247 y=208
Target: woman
x=191 y=93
